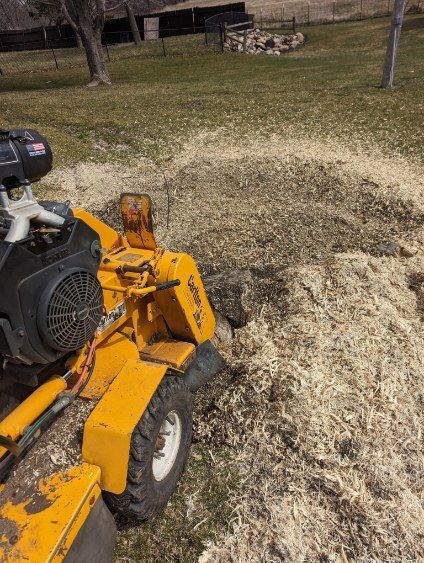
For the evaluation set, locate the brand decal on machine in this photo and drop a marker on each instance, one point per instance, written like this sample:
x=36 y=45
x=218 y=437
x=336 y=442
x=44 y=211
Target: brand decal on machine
x=199 y=315
x=36 y=149
x=54 y=257
x=112 y=316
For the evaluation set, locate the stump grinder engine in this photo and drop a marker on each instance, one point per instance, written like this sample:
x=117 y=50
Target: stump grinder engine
x=110 y=321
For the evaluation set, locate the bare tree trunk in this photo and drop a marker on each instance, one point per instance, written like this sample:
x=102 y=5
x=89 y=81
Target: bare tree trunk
x=92 y=42
x=79 y=40
x=133 y=24
x=389 y=63
x=86 y=18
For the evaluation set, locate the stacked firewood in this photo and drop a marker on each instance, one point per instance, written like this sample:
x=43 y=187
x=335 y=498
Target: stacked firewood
x=255 y=42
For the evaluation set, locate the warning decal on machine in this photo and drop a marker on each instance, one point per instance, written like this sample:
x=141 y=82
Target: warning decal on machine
x=112 y=316
x=36 y=149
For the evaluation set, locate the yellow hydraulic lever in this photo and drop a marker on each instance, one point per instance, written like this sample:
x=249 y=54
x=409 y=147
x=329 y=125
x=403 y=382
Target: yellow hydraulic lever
x=134 y=291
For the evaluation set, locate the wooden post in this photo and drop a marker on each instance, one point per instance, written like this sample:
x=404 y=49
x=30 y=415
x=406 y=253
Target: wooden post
x=396 y=26
x=309 y=13
x=133 y=24
x=360 y=11
x=388 y=7
x=334 y=11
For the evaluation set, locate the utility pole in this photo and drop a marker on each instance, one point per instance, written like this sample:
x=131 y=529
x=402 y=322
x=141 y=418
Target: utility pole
x=396 y=26
x=133 y=24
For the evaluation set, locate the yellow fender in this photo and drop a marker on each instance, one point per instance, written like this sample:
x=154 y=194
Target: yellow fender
x=108 y=429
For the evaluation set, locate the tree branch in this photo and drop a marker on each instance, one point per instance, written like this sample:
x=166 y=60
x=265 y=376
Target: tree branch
x=67 y=16
x=46 y=3
x=118 y=5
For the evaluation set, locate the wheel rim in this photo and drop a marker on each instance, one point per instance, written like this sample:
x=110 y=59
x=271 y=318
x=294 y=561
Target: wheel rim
x=167 y=446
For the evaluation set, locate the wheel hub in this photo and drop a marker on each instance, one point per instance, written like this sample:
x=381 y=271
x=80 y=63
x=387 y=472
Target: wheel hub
x=167 y=446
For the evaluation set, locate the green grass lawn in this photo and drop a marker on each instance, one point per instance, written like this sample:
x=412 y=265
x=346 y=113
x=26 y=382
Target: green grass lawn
x=328 y=88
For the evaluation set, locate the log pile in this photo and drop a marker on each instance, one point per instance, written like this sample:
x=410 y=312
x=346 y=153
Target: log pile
x=255 y=42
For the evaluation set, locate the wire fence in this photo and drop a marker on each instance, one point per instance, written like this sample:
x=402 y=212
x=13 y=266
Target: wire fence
x=168 y=43
x=269 y=15
x=182 y=42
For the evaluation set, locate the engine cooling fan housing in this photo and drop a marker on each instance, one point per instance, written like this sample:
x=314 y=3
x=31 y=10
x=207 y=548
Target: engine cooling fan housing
x=70 y=310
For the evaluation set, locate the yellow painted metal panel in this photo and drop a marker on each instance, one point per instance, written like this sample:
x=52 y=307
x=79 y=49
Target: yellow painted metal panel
x=136 y=210
x=111 y=355
x=43 y=527
x=108 y=429
x=175 y=353
x=186 y=308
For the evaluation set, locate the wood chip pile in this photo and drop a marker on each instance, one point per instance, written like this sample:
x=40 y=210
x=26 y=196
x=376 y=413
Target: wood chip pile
x=256 y=42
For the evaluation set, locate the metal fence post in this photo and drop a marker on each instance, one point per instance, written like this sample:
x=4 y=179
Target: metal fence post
x=54 y=56
x=107 y=52
x=388 y=7
x=244 y=40
x=163 y=47
x=334 y=11
x=262 y=23
x=309 y=13
x=284 y=7
x=360 y=11
x=294 y=25
x=221 y=38
x=193 y=21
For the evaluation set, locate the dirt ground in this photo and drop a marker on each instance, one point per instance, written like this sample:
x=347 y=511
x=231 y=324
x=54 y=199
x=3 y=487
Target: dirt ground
x=322 y=400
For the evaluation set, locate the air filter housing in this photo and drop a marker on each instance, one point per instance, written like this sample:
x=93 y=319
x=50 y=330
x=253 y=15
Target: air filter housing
x=24 y=155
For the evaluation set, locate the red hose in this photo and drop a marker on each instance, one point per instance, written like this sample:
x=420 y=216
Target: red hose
x=86 y=367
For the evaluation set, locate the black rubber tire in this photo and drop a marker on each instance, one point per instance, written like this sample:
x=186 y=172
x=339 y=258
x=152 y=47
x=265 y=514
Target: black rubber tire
x=144 y=497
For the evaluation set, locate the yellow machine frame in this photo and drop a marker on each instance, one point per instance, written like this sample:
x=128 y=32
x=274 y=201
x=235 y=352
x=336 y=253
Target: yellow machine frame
x=156 y=314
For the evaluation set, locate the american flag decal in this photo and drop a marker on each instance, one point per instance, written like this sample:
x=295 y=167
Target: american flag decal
x=36 y=149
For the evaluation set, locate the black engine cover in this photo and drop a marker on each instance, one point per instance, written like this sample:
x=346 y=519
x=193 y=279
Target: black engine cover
x=50 y=299
x=24 y=155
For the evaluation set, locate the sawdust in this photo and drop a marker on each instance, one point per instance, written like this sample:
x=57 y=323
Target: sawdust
x=322 y=401
x=325 y=413
x=58 y=449
x=260 y=206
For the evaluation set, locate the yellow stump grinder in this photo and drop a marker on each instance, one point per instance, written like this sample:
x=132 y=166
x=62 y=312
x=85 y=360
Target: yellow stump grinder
x=106 y=320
